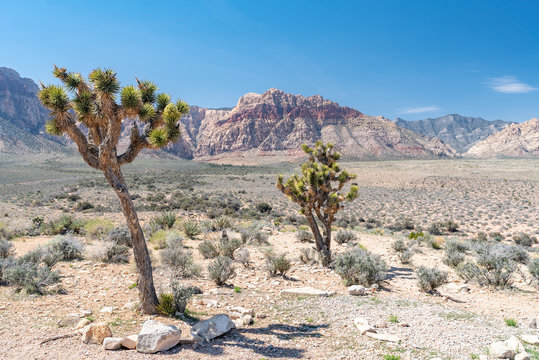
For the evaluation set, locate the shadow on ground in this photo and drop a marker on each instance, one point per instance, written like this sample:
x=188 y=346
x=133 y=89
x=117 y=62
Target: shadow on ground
x=240 y=338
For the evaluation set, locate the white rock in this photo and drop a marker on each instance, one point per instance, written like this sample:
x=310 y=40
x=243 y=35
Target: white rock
x=356 y=290
x=209 y=329
x=454 y=287
x=131 y=305
x=500 y=350
x=530 y=339
x=306 y=291
x=243 y=311
x=130 y=342
x=107 y=309
x=514 y=344
x=112 y=343
x=82 y=323
x=383 y=337
x=247 y=319
x=95 y=333
x=363 y=326
x=155 y=336
x=483 y=357
x=522 y=356
x=69 y=321
x=85 y=313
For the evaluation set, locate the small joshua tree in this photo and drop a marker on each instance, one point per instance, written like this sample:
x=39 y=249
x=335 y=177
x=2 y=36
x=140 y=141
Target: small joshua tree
x=93 y=120
x=318 y=191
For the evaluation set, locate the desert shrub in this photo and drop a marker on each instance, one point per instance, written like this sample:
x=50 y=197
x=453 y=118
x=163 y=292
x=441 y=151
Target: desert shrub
x=451 y=226
x=263 y=207
x=417 y=236
x=435 y=242
x=456 y=245
x=208 y=249
x=307 y=256
x=259 y=237
x=524 y=239
x=228 y=246
x=360 y=267
x=481 y=237
x=180 y=261
x=63 y=225
x=436 y=228
x=162 y=237
x=114 y=253
x=344 y=236
x=221 y=269
x=277 y=264
x=243 y=257
x=371 y=223
x=208 y=226
x=487 y=252
x=222 y=223
x=120 y=236
x=430 y=278
x=181 y=296
x=6 y=249
x=496 y=236
x=191 y=229
x=399 y=246
x=304 y=236
x=453 y=257
x=84 y=205
x=165 y=220
x=98 y=228
x=405 y=256
x=5 y=264
x=65 y=248
x=166 y=304
x=533 y=267
x=30 y=277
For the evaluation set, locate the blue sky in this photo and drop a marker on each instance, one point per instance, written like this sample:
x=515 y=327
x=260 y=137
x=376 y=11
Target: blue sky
x=409 y=59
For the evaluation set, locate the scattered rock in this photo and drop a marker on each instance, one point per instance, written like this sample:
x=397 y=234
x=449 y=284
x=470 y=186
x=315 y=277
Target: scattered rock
x=82 y=323
x=530 y=339
x=500 y=350
x=85 y=313
x=131 y=305
x=356 y=290
x=363 y=326
x=383 y=337
x=455 y=288
x=130 y=342
x=95 y=333
x=514 y=344
x=69 y=321
x=107 y=309
x=112 y=343
x=534 y=323
x=243 y=311
x=209 y=329
x=155 y=336
x=522 y=356
x=306 y=291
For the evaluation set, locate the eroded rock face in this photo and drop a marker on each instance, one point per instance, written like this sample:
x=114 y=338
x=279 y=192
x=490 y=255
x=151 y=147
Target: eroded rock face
x=96 y=333
x=155 y=336
x=516 y=140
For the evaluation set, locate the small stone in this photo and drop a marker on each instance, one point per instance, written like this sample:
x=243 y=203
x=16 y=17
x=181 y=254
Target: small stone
x=533 y=323
x=69 y=321
x=363 y=326
x=155 y=336
x=107 y=309
x=82 y=323
x=247 y=319
x=306 y=291
x=500 y=350
x=243 y=311
x=130 y=342
x=356 y=290
x=530 y=339
x=85 y=313
x=112 y=343
x=383 y=337
x=514 y=344
x=95 y=333
x=522 y=356
x=131 y=305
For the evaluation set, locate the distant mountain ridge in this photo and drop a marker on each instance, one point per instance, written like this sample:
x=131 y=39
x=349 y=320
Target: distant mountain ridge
x=515 y=140
x=460 y=132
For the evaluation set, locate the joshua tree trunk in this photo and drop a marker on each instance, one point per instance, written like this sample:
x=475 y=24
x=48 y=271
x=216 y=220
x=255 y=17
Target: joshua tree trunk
x=147 y=297
x=323 y=243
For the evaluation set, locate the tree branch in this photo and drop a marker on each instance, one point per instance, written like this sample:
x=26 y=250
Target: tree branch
x=138 y=143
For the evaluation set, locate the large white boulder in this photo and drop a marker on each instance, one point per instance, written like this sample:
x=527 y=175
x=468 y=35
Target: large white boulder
x=209 y=329
x=155 y=336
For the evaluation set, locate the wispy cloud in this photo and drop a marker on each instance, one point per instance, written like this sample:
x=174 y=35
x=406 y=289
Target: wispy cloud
x=418 y=109
x=510 y=85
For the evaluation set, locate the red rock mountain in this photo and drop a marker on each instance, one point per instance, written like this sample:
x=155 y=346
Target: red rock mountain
x=278 y=122
x=515 y=140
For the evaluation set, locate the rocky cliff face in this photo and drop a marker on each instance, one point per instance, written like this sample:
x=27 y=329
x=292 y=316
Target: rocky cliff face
x=516 y=140
x=458 y=131
x=277 y=121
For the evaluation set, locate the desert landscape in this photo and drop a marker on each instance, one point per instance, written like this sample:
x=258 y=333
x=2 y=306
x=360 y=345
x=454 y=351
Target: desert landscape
x=269 y=180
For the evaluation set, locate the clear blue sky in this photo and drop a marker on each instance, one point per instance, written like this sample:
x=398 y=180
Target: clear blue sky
x=409 y=59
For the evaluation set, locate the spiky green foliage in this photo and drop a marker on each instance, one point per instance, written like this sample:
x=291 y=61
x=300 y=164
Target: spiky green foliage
x=104 y=81
x=319 y=191
x=131 y=98
x=158 y=137
x=147 y=113
x=147 y=90
x=52 y=128
x=163 y=100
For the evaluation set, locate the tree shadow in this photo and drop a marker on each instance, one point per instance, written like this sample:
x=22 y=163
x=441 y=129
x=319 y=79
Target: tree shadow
x=239 y=338
x=400 y=273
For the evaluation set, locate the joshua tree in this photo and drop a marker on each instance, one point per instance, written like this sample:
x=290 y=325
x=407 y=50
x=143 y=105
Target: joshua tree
x=93 y=119
x=318 y=192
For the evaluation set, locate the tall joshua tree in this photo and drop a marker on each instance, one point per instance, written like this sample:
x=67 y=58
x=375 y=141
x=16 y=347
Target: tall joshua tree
x=319 y=192
x=93 y=118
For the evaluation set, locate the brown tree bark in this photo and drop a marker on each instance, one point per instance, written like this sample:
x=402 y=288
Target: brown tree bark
x=147 y=296
x=323 y=242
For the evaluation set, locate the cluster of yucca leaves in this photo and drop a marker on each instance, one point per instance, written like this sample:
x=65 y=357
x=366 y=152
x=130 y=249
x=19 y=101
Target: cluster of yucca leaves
x=95 y=105
x=321 y=181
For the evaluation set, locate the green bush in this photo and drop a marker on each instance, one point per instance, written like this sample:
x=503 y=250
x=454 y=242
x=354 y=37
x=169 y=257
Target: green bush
x=430 y=278
x=165 y=220
x=436 y=228
x=98 y=228
x=66 y=248
x=277 y=264
x=63 y=225
x=32 y=278
x=166 y=304
x=221 y=269
x=307 y=256
x=360 y=267
x=304 y=236
x=114 y=253
x=180 y=261
x=222 y=223
x=208 y=249
x=263 y=208
x=344 y=236
x=533 y=267
x=6 y=249
x=243 y=257
x=191 y=229
x=228 y=246
x=399 y=246
x=120 y=236
x=524 y=239
x=181 y=295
